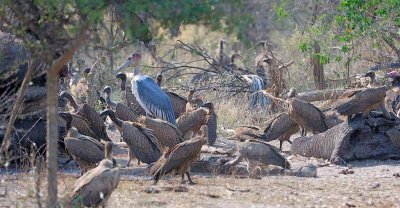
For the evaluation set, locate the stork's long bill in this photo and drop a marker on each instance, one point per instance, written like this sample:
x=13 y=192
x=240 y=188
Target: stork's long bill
x=132 y=60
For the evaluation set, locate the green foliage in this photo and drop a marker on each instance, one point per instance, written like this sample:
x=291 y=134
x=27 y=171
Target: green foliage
x=280 y=9
x=360 y=18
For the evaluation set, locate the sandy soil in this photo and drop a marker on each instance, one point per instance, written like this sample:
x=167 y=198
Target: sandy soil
x=369 y=183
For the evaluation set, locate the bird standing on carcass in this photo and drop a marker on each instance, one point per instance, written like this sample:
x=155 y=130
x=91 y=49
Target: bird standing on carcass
x=362 y=101
x=150 y=96
x=392 y=99
x=94 y=188
x=180 y=157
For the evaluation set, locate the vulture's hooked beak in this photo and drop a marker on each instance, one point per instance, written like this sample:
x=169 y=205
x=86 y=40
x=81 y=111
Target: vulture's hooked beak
x=126 y=64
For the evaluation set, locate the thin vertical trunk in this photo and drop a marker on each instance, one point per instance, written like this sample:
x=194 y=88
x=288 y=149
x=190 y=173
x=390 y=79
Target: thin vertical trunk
x=318 y=68
x=52 y=137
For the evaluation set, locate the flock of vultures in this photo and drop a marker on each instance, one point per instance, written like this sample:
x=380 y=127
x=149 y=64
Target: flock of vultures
x=167 y=131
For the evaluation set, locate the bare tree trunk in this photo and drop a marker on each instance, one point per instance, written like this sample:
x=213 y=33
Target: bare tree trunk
x=318 y=68
x=52 y=117
x=52 y=137
x=94 y=83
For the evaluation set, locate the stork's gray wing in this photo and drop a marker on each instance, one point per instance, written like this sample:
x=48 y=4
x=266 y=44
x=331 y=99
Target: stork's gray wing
x=85 y=149
x=262 y=152
x=212 y=128
x=95 y=121
x=154 y=99
x=141 y=142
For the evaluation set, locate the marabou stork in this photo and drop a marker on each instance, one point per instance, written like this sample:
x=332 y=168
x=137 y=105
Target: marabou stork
x=149 y=95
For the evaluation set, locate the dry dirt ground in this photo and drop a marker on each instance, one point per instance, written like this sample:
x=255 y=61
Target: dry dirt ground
x=369 y=183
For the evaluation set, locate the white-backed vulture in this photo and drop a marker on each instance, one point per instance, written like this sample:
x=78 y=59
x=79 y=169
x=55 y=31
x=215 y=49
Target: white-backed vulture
x=86 y=151
x=167 y=134
x=95 y=187
x=180 y=157
x=259 y=155
x=141 y=141
x=362 y=101
x=85 y=119
x=189 y=123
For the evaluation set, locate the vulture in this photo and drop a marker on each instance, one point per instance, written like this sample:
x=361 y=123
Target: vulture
x=259 y=155
x=211 y=123
x=180 y=157
x=130 y=99
x=234 y=68
x=193 y=103
x=178 y=102
x=221 y=58
x=86 y=151
x=79 y=85
x=94 y=188
x=141 y=141
x=305 y=114
x=392 y=99
x=166 y=133
x=189 y=123
x=111 y=104
x=281 y=127
x=122 y=111
x=85 y=119
x=362 y=101
x=246 y=132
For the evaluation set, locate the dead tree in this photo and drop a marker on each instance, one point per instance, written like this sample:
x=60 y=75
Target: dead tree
x=318 y=68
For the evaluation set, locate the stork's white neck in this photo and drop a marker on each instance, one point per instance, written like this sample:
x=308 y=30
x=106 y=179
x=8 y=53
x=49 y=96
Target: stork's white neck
x=136 y=71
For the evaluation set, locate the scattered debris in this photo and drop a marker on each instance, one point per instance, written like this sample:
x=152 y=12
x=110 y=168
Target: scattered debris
x=346 y=171
x=181 y=189
x=350 y=205
x=375 y=186
x=237 y=190
x=152 y=190
x=309 y=170
x=396 y=175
